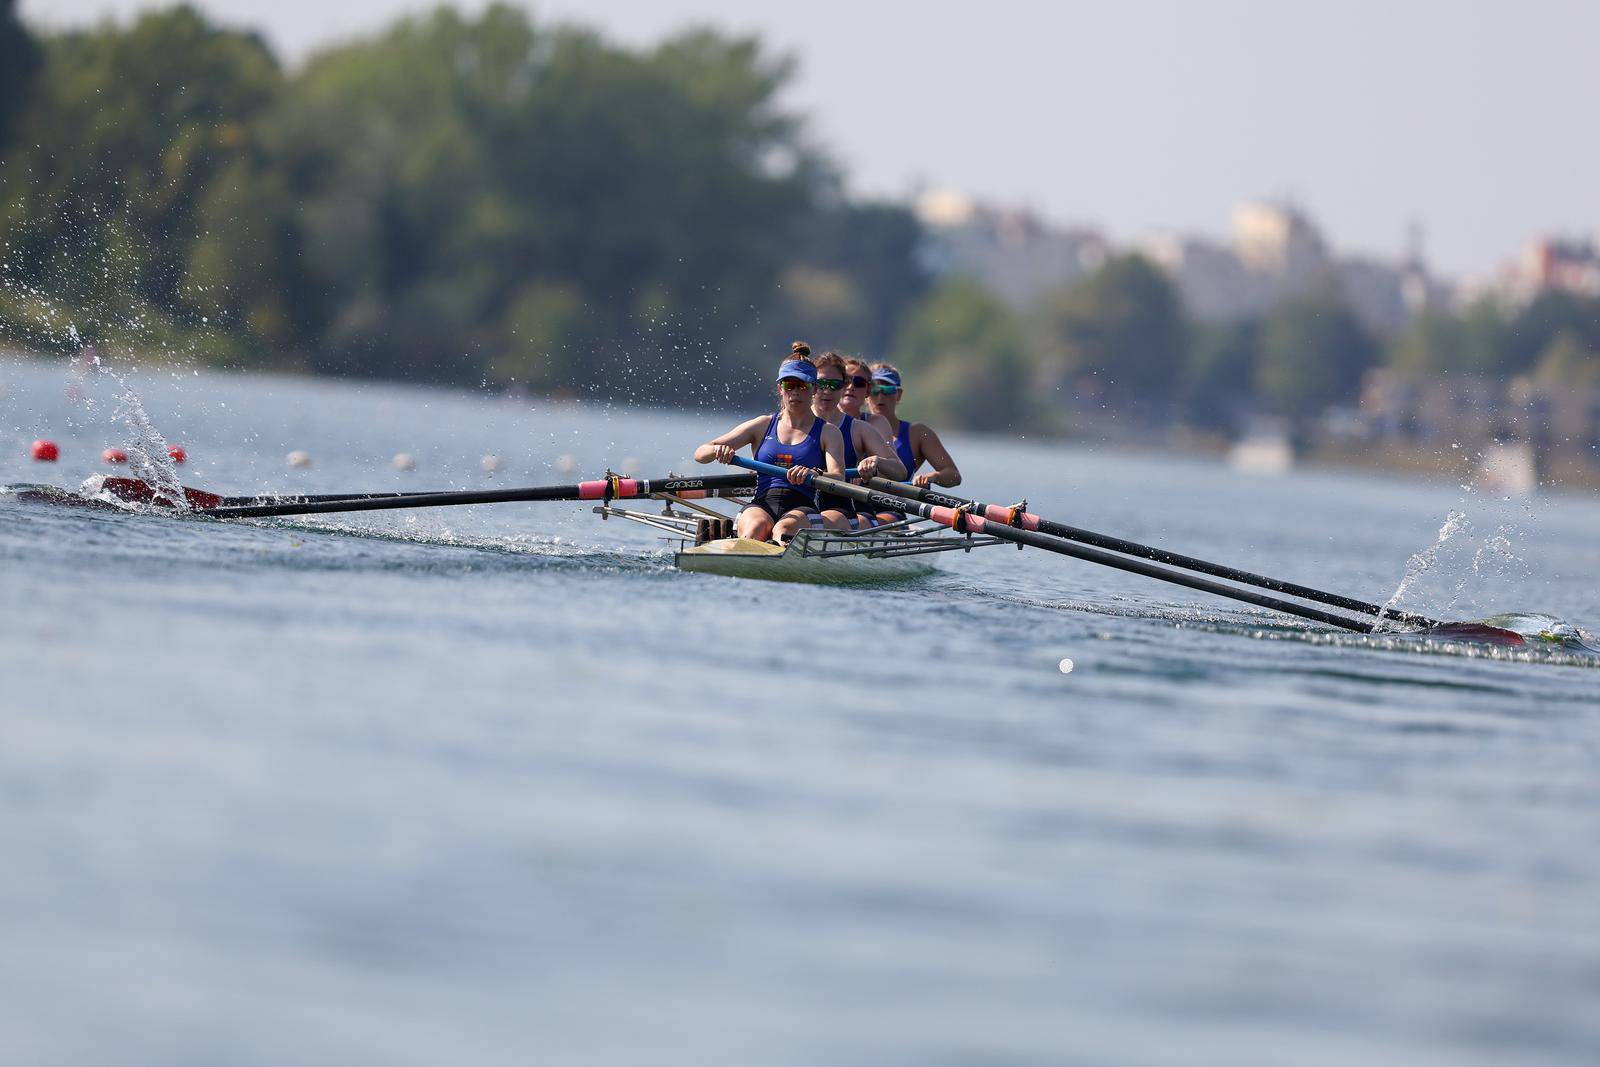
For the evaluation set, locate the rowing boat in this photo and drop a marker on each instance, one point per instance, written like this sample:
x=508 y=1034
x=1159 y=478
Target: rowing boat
x=893 y=552
x=898 y=551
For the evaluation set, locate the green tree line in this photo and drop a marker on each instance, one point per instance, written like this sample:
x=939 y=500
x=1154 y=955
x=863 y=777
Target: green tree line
x=1121 y=340
x=457 y=199
x=496 y=200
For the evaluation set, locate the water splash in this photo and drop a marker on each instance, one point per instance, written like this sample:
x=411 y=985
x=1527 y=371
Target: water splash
x=147 y=448
x=1456 y=524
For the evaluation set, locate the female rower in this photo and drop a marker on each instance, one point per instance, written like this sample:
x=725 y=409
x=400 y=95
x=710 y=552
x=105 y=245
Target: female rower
x=857 y=383
x=864 y=447
x=791 y=437
x=914 y=442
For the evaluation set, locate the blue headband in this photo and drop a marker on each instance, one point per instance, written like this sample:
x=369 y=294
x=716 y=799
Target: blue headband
x=887 y=377
x=798 y=368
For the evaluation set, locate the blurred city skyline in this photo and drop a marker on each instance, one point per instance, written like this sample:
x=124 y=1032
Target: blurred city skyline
x=1464 y=127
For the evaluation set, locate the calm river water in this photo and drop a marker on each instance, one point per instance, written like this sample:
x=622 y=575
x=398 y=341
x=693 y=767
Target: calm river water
x=499 y=785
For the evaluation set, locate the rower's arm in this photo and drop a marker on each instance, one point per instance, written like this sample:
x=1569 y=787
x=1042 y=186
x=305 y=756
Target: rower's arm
x=870 y=442
x=833 y=451
x=746 y=433
x=944 y=468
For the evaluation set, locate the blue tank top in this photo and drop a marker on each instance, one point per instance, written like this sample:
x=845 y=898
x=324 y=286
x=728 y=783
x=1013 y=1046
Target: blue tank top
x=807 y=453
x=848 y=433
x=902 y=448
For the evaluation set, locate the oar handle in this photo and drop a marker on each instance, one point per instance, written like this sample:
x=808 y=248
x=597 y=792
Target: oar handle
x=776 y=471
x=760 y=467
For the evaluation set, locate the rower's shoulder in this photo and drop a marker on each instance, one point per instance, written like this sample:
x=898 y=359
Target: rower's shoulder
x=864 y=425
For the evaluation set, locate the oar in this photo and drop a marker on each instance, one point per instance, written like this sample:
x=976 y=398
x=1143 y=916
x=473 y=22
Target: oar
x=966 y=521
x=134 y=491
x=613 y=488
x=1029 y=521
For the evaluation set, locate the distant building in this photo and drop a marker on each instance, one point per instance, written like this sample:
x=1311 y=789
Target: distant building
x=1014 y=253
x=1386 y=296
x=1213 y=280
x=1277 y=253
x=1551 y=264
x=1276 y=241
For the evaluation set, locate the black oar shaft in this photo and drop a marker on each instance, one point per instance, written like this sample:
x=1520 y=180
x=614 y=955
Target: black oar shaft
x=266 y=499
x=1161 y=555
x=619 y=489
x=1062 y=546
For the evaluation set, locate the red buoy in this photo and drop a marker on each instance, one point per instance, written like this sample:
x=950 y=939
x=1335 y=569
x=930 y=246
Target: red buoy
x=176 y=454
x=46 y=451
x=114 y=455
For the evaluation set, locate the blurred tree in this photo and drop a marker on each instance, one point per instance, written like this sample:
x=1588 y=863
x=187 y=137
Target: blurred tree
x=457 y=196
x=243 y=267
x=1483 y=336
x=1549 y=315
x=1439 y=342
x=1433 y=343
x=871 y=250
x=487 y=167
x=1567 y=362
x=1313 y=354
x=19 y=61
x=1125 y=326
x=966 y=361
x=403 y=235
x=1219 y=379
x=124 y=131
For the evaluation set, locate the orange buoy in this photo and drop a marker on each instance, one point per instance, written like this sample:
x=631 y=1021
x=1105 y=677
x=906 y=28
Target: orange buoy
x=114 y=455
x=46 y=451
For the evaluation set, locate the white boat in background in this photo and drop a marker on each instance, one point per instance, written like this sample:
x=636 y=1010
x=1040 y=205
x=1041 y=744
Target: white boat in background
x=1265 y=449
x=1509 y=468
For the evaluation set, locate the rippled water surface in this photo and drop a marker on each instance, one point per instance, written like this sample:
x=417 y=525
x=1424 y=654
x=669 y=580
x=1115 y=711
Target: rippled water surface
x=499 y=785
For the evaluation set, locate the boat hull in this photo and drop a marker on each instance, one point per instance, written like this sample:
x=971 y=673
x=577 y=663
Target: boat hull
x=808 y=558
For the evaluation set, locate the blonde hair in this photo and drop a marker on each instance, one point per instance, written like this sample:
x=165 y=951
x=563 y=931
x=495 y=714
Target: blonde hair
x=857 y=361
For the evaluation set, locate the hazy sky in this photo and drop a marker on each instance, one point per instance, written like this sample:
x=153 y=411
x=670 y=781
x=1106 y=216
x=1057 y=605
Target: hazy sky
x=1474 y=120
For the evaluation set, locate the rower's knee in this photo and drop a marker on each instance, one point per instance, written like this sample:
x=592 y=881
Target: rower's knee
x=754 y=524
x=788 y=526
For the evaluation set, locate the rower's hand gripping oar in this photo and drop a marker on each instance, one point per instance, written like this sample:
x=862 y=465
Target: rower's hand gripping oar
x=1029 y=521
